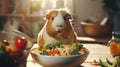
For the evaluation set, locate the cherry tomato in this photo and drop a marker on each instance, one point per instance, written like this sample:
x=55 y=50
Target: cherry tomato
x=5 y=42
x=20 y=42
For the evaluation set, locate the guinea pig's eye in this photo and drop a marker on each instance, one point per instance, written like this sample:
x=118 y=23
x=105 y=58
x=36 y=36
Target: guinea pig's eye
x=52 y=18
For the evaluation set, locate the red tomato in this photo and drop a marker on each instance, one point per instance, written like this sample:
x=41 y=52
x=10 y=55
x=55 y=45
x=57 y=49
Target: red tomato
x=5 y=42
x=20 y=42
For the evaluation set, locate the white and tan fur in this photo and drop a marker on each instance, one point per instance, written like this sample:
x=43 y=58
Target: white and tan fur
x=57 y=27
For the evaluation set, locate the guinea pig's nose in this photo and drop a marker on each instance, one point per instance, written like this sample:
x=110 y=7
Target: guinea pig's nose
x=59 y=31
x=59 y=25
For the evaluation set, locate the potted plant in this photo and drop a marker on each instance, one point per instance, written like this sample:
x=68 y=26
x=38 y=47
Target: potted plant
x=111 y=5
x=113 y=9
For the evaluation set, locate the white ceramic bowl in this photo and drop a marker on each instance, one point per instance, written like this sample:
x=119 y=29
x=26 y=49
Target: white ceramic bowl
x=60 y=61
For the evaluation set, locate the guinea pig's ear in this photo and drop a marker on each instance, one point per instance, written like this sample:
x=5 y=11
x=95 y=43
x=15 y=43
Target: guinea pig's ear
x=67 y=16
x=48 y=15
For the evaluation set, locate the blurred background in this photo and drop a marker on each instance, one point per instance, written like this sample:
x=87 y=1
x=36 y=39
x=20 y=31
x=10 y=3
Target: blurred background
x=27 y=15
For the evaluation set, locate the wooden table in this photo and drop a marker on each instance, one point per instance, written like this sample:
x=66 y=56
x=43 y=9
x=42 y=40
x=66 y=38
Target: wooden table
x=97 y=51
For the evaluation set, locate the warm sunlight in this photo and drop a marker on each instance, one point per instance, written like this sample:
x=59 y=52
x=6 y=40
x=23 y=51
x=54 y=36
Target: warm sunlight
x=43 y=5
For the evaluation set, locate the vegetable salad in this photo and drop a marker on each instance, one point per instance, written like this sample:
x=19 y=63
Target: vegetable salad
x=57 y=49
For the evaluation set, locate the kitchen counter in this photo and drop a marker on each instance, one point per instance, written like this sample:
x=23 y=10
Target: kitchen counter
x=97 y=51
x=81 y=37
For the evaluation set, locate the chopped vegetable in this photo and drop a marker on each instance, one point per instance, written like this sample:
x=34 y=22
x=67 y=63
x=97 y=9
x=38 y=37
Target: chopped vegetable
x=58 y=43
x=57 y=49
x=54 y=52
x=44 y=53
x=95 y=62
x=75 y=51
x=40 y=48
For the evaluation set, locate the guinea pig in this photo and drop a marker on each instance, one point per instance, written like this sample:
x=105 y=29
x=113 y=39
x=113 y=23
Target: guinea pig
x=57 y=28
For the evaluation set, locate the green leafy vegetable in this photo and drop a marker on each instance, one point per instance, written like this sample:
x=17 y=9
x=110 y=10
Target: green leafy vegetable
x=40 y=48
x=108 y=63
x=77 y=45
x=102 y=63
x=48 y=46
x=44 y=53
x=75 y=51
x=58 y=43
x=54 y=45
x=117 y=60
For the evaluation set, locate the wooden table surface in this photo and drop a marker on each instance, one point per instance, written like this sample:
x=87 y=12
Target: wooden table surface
x=97 y=51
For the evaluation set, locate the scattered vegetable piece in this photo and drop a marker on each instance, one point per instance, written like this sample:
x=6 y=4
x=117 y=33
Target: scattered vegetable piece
x=95 y=62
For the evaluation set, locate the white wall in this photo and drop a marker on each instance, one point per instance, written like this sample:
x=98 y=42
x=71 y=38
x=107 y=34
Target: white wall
x=82 y=9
